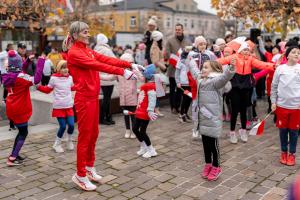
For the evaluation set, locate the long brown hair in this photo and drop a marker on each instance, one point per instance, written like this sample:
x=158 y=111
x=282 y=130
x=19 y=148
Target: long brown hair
x=215 y=66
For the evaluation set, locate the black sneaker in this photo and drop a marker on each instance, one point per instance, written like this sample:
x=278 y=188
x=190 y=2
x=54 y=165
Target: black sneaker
x=182 y=118
x=12 y=129
x=13 y=162
x=104 y=122
x=21 y=158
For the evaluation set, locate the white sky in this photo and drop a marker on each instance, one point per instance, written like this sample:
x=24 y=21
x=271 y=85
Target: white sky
x=205 y=5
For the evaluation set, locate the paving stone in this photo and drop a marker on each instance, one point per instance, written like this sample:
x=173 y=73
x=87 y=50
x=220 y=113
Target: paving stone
x=251 y=196
x=151 y=194
x=133 y=192
x=27 y=193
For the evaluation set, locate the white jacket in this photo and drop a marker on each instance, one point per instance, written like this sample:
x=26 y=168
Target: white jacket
x=105 y=50
x=285 y=90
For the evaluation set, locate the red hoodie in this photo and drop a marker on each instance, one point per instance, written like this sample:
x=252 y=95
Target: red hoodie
x=84 y=65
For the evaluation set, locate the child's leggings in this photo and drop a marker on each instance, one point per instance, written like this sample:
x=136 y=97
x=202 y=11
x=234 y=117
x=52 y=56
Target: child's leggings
x=211 y=150
x=139 y=129
x=63 y=122
x=128 y=117
x=20 y=139
x=240 y=100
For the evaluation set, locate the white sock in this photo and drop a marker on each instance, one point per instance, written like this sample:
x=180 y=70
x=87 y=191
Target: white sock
x=69 y=137
x=89 y=168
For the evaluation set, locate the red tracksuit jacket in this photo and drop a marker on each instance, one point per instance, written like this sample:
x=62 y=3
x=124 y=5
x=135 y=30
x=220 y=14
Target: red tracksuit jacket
x=84 y=65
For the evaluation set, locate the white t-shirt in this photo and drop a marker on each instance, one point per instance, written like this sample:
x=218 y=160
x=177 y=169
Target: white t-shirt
x=62 y=93
x=47 y=67
x=286 y=86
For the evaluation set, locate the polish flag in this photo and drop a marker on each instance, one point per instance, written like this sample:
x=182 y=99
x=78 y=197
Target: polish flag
x=127 y=112
x=67 y=3
x=258 y=129
x=174 y=58
x=188 y=93
x=236 y=43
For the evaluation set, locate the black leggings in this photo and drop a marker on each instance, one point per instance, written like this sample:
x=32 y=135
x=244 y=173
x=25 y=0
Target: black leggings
x=126 y=117
x=226 y=101
x=139 y=129
x=240 y=100
x=175 y=96
x=19 y=141
x=105 y=107
x=186 y=100
x=211 y=150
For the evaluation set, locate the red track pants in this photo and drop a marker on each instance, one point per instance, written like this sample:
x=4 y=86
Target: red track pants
x=87 y=111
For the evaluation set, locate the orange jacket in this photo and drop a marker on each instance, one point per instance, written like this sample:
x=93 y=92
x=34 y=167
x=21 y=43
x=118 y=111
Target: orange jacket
x=244 y=64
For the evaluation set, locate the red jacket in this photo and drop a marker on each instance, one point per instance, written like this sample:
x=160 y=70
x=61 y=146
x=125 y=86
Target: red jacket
x=84 y=65
x=142 y=107
x=18 y=102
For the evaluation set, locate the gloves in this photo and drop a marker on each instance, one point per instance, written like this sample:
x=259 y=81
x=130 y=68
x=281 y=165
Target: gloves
x=153 y=116
x=137 y=67
x=129 y=75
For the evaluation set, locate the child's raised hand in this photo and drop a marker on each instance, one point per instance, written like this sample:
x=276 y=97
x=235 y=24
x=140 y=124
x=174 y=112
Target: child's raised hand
x=233 y=62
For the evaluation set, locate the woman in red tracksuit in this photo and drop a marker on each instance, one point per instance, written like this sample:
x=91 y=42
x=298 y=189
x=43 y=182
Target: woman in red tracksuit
x=84 y=65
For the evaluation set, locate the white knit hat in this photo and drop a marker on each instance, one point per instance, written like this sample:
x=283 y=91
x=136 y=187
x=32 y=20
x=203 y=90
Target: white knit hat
x=153 y=21
x=156 y=35
x=127 y=57
x=220 y=41
x=243 y=46
x=198 y=40
x=102 y=39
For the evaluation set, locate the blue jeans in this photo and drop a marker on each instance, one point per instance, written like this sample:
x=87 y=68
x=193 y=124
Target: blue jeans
x=63 y=121
x=284 y=134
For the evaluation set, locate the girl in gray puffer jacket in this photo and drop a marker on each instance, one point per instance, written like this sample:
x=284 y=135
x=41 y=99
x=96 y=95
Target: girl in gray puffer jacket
x=212 y=83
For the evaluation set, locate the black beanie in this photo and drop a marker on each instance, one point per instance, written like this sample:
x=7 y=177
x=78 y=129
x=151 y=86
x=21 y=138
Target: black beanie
x=288 y=51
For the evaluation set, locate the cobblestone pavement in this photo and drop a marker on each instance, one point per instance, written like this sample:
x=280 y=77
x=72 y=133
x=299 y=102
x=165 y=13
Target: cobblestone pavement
x=250 y=171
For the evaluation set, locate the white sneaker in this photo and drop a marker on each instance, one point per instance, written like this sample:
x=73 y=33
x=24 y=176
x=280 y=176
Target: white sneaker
x=195 y=134
x=143 y=149
x=70 y=145
x=150 y=152
x=92 y=174
x=127 y=133
x=243 y=135
x=57 y=146
x=233 y=138
x=132 y=136
x=83 y=182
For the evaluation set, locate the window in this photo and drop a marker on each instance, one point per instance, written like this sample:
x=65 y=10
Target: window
x=132 y=21
x=185 y=23
x=184 y=7
x=199 y=23
x=192 y=8
x=168 y=24
x=177 y=7
x=178 y=20
x=192 y=24
x=112 y=22
x=206 y=23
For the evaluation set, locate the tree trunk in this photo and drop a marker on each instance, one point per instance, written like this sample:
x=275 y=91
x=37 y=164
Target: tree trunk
x=284 y=26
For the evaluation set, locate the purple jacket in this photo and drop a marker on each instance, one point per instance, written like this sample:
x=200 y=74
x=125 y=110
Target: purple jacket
x=9 y=78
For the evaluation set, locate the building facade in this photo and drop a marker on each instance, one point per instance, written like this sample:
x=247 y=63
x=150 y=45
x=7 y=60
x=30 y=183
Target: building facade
x=131 y=16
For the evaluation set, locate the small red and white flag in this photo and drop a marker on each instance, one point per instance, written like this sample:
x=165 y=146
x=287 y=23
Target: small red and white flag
x=174 y=58
x=259 y=128
x=127 y=112
x=188 y=93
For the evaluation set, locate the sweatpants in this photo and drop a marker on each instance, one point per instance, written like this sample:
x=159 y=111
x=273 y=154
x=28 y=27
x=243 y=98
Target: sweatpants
x=211 y=150
x=186 y=100
x=240 y=100
x=87 y=112
x=139 y=129
x=128 y=117
x=63 y=122
x=20 y=139
x=226 y=104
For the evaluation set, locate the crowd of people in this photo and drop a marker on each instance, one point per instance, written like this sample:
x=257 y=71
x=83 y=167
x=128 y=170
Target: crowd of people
x=218 y=80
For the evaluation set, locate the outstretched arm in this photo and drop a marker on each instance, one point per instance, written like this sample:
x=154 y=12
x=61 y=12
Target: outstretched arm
x=220 y=81
x=111 y=60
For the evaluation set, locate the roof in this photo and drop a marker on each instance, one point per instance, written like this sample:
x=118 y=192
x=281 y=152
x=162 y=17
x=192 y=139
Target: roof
x=145 y=4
